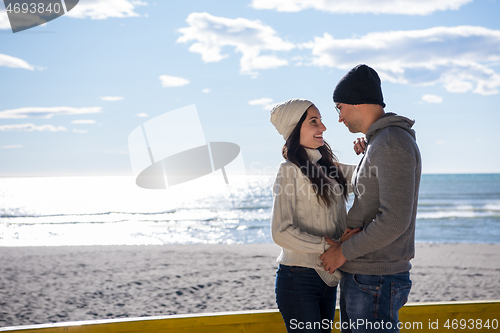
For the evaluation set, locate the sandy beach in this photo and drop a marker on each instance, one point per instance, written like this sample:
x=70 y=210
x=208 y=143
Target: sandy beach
x=58 y=284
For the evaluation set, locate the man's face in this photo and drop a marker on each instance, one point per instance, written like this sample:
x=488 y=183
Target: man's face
x=350 y=116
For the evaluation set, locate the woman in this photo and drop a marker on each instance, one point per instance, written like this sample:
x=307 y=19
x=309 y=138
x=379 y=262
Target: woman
x=309 y=194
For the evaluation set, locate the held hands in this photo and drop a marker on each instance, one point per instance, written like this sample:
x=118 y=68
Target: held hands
x=359 y=146
x=333 y=257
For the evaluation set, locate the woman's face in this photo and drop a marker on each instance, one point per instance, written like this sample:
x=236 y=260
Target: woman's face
x=311 y=131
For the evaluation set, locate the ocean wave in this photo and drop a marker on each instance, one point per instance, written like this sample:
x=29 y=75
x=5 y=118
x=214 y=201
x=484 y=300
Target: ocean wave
x=495 y=207
x=490 y=210
x=22 y=213
x=458 y=196
x=457 y=214
x=176 y=215
x=18 y=213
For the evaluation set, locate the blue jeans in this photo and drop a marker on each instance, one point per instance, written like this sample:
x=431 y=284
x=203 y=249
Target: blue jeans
x=306 y=303
x=370 y=303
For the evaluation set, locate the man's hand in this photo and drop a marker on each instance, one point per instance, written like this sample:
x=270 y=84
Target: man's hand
x=359 y=146
x=333 y=257
x=348 y=233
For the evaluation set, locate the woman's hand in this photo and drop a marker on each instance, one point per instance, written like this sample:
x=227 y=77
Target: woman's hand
x=348 y=233
x=359 y=146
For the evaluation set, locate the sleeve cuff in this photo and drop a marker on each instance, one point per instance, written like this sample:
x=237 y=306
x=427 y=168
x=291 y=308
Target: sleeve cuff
x=347 y=251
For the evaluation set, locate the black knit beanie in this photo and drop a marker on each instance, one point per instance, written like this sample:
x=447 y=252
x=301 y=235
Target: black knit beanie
x=361 y=85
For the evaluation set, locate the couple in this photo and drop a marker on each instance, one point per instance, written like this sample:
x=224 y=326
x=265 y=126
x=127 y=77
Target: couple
x=367 y=250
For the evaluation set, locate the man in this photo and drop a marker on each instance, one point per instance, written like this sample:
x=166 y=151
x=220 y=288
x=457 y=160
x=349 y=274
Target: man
x=376 y=262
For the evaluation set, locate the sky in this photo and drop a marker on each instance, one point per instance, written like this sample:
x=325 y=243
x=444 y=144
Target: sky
x=74 y=89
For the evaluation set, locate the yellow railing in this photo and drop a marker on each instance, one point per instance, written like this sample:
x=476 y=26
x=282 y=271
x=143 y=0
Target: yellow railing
x=480 y=316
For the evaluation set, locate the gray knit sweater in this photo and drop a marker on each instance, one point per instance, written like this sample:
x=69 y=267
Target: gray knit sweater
x=300 y=221
x=386 y=194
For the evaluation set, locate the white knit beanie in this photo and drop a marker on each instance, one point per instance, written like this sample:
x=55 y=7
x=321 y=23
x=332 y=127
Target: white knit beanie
x=286 y=115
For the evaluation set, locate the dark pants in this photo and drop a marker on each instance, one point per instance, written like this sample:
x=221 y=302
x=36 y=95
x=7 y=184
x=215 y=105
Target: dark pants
x=306 y=303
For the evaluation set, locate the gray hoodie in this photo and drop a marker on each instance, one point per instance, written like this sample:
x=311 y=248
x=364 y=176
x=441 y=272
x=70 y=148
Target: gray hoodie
x=386 y=194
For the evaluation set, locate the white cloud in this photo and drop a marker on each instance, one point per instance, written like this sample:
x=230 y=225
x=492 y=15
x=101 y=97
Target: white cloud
x=84 y=121
x=250 y=38
x=13 y=62
x=172 y=81
x=79 y=131
x=112 y=98
x=46 y=112
x=405 y=7
x=103 y=9
x=142 y=115
x=11 y=147
x=4 y=20
x=432 y=98
x=93 y=9
x=455 y=57
x=441 y=142
x=31 y=128
x=267 y=103
x=205 y=91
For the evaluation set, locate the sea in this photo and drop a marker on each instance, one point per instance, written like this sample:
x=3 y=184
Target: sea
x=113 y=210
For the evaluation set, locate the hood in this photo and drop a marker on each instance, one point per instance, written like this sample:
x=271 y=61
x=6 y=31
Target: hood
x=390 y=119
